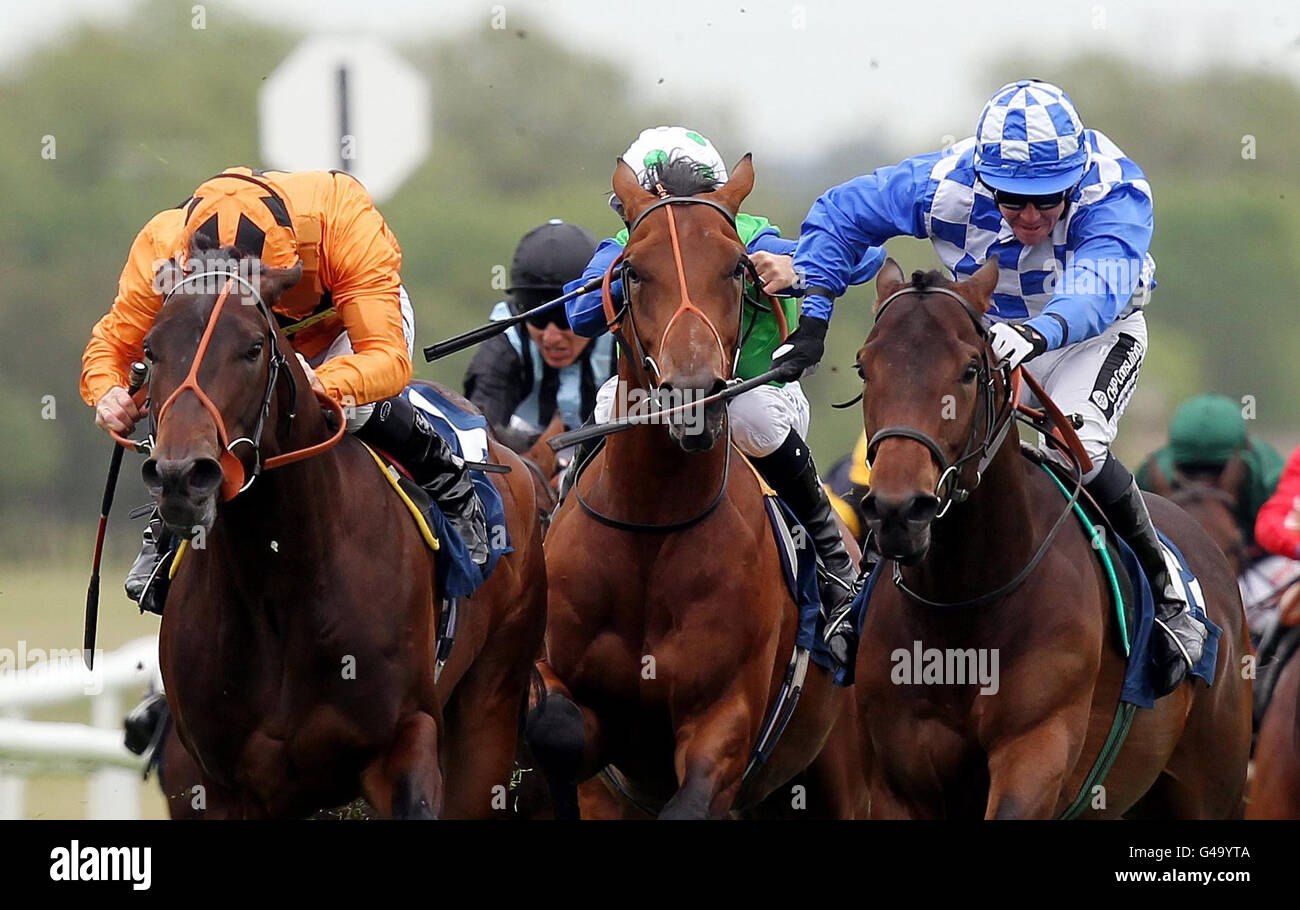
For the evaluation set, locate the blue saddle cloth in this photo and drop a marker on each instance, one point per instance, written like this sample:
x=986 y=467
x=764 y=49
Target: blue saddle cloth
x=799 y=568
x=466 y=433
x=1138 y=686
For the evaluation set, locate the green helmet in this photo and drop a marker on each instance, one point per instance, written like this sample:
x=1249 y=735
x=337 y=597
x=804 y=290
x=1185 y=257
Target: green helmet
x=1207 y=429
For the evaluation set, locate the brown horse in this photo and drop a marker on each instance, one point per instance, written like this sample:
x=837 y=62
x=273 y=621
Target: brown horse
x=1210 y=498
x=298 y=645
x=1023 y=746
x=669 y=627
x=1275 y=788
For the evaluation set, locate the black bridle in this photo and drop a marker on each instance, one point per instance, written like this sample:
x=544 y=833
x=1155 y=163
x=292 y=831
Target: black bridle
x=996 y=417
x=997 y=421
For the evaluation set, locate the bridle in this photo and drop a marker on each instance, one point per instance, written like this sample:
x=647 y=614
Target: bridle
x=996 y=420
x=643 y=365
x=235 y=479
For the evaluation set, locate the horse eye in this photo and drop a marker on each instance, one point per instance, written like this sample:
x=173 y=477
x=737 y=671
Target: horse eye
x=254 y=351
x=970 y=374
x=861 y=375
x=739 y=272
x=632 y=276
x=148 y=354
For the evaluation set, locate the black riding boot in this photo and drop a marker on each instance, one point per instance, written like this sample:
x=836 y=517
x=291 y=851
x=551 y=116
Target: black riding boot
x=1180 y=647
x=793 y=475
x=403 y=432
x=147 y=580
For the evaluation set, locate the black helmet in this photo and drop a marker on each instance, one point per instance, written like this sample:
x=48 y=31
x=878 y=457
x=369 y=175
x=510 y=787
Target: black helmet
x=551 y=255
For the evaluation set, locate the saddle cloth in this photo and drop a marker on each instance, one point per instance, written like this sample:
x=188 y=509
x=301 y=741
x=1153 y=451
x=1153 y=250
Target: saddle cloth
x=1132 y=600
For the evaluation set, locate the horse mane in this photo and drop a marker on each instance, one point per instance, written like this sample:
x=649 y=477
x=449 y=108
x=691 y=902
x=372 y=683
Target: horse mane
x=215 y=257
x=680 y=177
x=924 y=281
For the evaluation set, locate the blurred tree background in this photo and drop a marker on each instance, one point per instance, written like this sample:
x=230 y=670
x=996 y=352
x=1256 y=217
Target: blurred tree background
x=527 y=129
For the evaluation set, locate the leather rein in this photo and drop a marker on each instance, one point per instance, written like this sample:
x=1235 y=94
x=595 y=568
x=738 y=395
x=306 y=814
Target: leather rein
x=643 y=365
x=235 y=478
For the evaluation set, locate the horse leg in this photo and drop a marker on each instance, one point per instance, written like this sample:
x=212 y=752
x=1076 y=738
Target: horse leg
x=405 y=781
x=565 y=739
x=711 y=755
x=1026 y=774
x=480 y=737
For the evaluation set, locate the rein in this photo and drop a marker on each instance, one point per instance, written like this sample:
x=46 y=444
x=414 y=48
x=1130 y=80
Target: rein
x=235 y=479
x=644 y=366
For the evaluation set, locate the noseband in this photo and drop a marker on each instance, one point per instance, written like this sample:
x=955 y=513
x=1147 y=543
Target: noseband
x=235 y=479
x=997 y=416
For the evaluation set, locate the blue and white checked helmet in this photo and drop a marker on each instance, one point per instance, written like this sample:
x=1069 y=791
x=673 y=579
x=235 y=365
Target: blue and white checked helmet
x=1029 y=140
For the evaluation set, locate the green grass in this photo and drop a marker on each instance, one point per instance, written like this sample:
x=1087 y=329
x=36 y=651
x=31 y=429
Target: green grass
x=43 y=605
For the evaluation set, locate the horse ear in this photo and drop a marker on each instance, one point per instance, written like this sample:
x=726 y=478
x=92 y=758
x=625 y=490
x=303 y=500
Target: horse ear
x=888 y=280
x=978 y=288
x=168 y=276
x=630 y=192
x=1157 y=482
x=1233 y=476
x=741 y=183
x=276 y=281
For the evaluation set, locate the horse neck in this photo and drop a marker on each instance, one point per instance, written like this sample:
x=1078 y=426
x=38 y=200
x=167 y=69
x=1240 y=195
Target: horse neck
x=980 y=543
x=647 y=477
x=288 y=512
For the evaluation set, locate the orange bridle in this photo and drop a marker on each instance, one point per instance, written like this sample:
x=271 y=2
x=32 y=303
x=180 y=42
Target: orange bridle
x=613 y=317
x=234 y=476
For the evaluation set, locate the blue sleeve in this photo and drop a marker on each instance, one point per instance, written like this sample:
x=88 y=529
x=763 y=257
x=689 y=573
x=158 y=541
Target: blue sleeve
x=771 y=242
x=848 y=220
x=586 y=314
x=1106 y=251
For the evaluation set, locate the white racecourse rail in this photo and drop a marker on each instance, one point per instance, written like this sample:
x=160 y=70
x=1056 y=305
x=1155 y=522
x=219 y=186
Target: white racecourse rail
x=96 y=750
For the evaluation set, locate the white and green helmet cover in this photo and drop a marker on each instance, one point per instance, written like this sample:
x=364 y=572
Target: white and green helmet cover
x=661 y=144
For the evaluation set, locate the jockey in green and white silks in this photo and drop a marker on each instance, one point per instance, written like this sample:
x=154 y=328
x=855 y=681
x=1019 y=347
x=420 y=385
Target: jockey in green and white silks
x=1070 y=218
x=769 y=424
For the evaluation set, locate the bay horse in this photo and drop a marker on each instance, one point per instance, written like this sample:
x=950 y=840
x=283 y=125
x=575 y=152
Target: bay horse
x=933 y=403
x=1275 y=786
x=1210 y=498
x=669 y=627
x=298 y=644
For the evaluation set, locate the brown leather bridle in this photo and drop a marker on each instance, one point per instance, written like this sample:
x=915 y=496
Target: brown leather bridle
x=235 y=478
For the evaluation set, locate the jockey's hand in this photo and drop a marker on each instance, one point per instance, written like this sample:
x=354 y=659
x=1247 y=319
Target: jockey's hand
x=116 y=411
x=803 y=348
x=311 y=374
x=776 y=271
x=1015 y=344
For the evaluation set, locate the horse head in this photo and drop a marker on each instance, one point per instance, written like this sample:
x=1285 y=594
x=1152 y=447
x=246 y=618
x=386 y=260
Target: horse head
x=684 y=271
x=215 y=369
x=928 y=391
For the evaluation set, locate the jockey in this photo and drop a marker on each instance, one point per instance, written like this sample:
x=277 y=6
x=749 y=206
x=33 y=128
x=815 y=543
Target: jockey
x=1205 y=434
x=530 y=374
x=1070 y=219
x=769 y=424
x=348 y=318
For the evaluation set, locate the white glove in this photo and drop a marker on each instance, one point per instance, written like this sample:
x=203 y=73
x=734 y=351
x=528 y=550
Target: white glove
x=1014 y=344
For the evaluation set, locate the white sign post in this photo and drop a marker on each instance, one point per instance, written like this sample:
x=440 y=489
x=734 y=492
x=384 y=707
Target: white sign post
x=350 y=104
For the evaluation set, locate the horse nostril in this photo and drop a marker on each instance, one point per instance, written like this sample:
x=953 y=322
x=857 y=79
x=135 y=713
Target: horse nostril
x=869 y=508
x=718 y=385
x=922 y=509
x=149 y=473
x=205 y=475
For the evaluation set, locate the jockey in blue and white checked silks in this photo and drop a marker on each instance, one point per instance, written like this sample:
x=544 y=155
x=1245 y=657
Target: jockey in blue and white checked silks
x=1070 y=219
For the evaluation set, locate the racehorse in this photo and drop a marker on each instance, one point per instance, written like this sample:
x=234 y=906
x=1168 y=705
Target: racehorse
x=1275 y=787
x=963 y=516
x=670 y=629
x=298 y=644
x=1211 y=498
